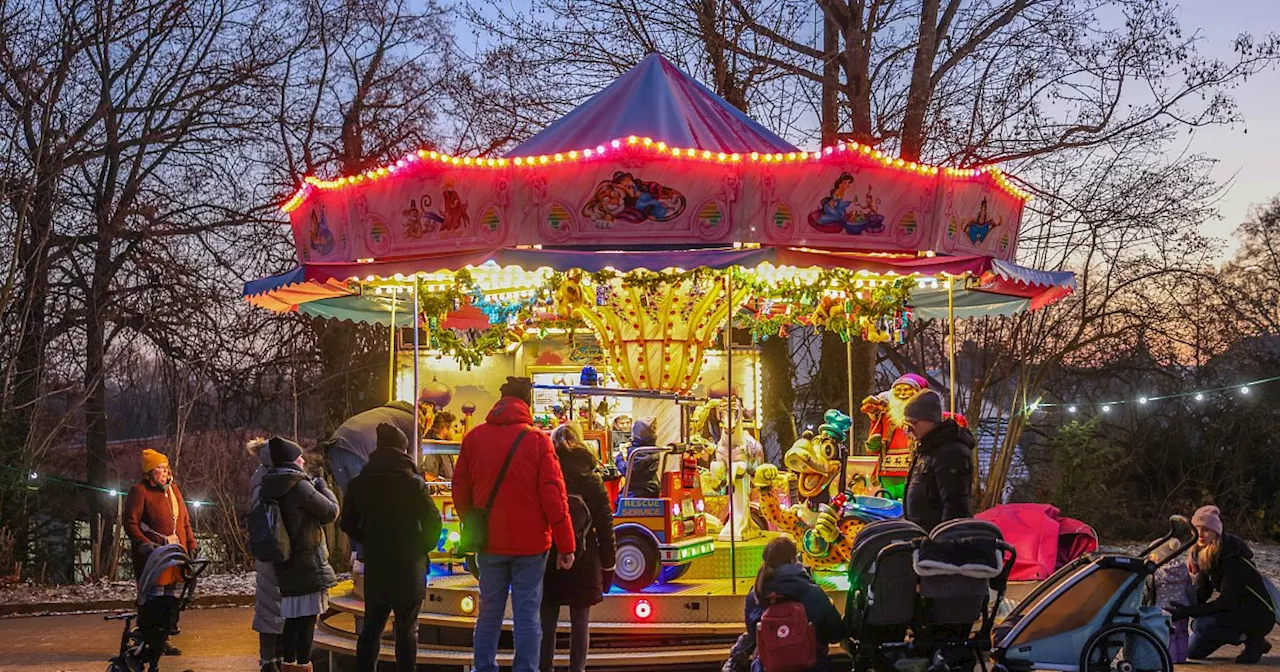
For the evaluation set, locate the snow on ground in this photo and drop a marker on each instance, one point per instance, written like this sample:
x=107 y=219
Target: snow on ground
x=216 y=585
x=1265 y=556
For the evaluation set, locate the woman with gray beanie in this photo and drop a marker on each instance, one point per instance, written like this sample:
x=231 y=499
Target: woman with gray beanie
x=1242 y=611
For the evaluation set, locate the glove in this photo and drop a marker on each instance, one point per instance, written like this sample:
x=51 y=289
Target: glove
x=765 y=475
x=828 y=524
x=1177 y=611
x=606 y=579
x=320 y=484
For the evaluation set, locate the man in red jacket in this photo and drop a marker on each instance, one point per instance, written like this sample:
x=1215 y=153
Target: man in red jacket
x=530 y=508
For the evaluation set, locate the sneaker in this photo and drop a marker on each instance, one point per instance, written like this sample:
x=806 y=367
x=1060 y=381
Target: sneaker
x=1252 y=654
x=171 y=650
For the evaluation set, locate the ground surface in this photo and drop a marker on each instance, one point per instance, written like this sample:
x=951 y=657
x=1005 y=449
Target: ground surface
x=218 y=640
x=212 y=640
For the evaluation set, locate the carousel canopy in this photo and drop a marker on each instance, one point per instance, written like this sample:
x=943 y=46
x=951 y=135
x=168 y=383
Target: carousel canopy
x=656 y=173
x=656 y=100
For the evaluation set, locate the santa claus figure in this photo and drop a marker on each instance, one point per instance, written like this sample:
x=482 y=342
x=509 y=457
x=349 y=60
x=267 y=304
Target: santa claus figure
x=888 y=434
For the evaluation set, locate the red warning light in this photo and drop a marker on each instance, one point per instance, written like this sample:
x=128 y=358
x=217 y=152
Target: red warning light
x=643 y=610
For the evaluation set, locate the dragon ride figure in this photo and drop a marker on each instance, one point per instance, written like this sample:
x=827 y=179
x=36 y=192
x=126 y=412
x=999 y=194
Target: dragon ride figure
x=825 y=534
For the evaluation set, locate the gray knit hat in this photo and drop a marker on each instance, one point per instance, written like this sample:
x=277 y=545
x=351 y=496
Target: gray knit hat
x=926 y=405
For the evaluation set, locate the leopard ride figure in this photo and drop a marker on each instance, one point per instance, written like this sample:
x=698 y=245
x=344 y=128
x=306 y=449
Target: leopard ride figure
x=818 y=521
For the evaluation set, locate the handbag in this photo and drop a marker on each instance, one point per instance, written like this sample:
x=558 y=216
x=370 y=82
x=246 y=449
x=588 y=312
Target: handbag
x=475 y=523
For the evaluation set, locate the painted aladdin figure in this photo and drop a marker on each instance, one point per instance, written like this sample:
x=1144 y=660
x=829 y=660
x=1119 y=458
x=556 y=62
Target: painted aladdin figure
x=888 y=436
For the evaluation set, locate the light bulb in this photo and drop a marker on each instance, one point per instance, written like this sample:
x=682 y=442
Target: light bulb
x=1071 y=409
x=1199 y=396
x=1106 y=408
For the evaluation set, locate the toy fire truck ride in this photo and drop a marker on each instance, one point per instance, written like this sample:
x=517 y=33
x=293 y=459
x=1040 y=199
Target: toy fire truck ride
x=659 y=537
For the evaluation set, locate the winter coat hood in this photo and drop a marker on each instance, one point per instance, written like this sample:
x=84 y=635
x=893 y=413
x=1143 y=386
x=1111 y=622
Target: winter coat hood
x=280 y=480
x=1232 y=546
x=510 y=411
x=947 y=432
x=790 y=581
x=390 y=460
x=576 y=463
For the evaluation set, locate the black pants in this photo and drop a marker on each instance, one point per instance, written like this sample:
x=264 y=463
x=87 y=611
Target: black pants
x=579 y=637
x=296 y=639
x=405 y=628
x=269 y=647
x=154 y=620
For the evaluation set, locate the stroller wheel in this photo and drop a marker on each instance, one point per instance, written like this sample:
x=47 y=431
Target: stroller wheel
x=1124 y=647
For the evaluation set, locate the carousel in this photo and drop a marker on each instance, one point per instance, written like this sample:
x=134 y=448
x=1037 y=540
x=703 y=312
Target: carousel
x=628 y=259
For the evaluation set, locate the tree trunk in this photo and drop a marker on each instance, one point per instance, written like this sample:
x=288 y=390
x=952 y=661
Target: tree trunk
x=921 y=90
x=97 y=456
x=778 y=377
x=830 y=81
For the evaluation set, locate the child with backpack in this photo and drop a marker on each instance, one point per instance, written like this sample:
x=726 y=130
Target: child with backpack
x=583 y=585
x=794 y=620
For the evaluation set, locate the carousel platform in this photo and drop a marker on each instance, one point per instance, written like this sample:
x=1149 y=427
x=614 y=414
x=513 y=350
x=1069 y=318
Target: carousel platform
x=688 y=623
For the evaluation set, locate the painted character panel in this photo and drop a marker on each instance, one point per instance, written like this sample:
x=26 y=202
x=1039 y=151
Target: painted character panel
x=624 y=198
x=842 y=210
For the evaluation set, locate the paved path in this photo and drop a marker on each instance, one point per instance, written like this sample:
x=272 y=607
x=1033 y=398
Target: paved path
x=212 y=640
x=221 y=640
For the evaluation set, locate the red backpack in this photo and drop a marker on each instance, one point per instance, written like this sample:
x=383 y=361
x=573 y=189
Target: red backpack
x=785 y=639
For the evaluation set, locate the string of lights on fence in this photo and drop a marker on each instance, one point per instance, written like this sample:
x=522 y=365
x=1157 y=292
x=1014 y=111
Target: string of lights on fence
x=1242 y=390
x=35 y=478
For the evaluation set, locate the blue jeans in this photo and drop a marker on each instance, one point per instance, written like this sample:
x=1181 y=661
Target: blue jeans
x=522 y=576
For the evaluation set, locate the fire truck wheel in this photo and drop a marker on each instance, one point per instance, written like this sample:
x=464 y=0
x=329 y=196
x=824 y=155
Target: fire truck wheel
x=637 y=564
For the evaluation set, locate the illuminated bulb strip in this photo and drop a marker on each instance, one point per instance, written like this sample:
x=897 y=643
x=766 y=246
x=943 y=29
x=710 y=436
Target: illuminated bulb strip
x=659 y=148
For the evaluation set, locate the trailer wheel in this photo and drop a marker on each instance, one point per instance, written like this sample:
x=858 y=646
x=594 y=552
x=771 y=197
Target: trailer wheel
x=637 y=565
x=1124 y=647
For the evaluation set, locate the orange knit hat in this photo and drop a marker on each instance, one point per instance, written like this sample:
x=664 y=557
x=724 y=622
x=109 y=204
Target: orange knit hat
x=152 y=459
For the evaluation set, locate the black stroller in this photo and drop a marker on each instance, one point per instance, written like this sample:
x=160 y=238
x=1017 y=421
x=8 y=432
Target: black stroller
x=141 y=647
x=936 y=587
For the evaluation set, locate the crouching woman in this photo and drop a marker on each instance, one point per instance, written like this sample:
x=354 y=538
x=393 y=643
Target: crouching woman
x=1242 y=611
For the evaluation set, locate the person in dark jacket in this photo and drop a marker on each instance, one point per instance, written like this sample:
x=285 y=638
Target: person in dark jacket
x=529 y=510
x=583 y=585
x=389 y=511
x=644 y=470
x=1243 y=611
x=782 y=578
x=306 y=506
x=267 y=621
x=938 y=487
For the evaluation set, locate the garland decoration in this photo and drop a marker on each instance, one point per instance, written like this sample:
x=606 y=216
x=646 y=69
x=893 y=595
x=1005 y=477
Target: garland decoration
x=675 y=311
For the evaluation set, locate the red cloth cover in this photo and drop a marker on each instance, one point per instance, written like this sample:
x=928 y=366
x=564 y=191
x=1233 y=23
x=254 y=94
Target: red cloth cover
x=1033 y=530
x=1075 y=538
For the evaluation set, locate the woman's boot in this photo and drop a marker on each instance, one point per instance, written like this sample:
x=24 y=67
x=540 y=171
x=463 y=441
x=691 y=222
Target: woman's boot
x=1254 y=649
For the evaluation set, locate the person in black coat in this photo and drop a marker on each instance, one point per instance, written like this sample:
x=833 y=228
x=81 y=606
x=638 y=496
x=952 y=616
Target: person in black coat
x=1243 y=611
x=782 y=577
x=389 y=511
x=939 y=485
x=645 y=479
x=306 y=506
x=583 y=585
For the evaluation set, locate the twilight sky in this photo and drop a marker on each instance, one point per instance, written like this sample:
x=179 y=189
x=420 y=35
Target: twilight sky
x=1246 y=162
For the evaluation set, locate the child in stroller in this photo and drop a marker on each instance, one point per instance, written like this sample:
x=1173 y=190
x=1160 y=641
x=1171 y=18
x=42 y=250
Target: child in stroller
x=165 y=588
